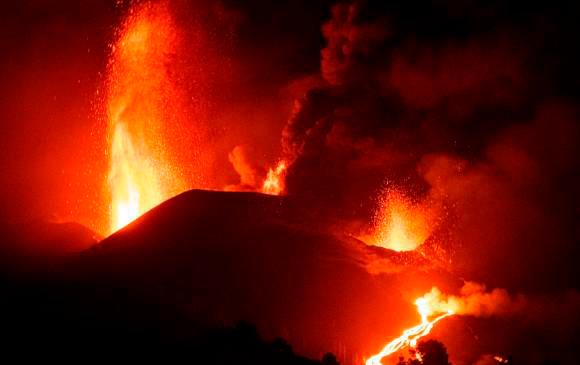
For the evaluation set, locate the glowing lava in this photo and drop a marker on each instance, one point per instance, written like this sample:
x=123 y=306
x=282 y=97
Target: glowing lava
x=399 y=224
x=140 y=97
x=412 y=335
x=133 y=178
x=274 y=183
x=500 y=359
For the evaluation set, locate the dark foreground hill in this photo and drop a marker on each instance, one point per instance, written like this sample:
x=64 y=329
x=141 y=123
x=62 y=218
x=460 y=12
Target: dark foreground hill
x=206 y=260
x=36 y=245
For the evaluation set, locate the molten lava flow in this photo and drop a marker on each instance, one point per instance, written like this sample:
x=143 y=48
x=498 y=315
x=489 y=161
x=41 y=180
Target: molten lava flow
x=141 y=96
x=412 y=335
x=399 y=225
x=274 y=183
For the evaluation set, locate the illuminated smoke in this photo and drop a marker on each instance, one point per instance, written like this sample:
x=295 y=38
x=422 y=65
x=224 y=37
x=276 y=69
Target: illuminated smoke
x=254 y=178
x=474 y=300
x=249 y=174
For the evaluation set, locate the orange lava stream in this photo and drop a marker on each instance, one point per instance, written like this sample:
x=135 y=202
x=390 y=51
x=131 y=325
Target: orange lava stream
x=274 y=183
x=412 y=335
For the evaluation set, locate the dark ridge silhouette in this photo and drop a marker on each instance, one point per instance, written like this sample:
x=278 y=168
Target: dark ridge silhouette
x=28 y=247
x=217 y=258
x=430 y=352
x=48 y=322
x=185 y=273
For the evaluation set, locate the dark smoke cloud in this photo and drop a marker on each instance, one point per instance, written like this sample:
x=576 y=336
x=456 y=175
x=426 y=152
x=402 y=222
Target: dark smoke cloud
x=474 y=74
x=349 y=43
x=477 y=122
x=459 y=108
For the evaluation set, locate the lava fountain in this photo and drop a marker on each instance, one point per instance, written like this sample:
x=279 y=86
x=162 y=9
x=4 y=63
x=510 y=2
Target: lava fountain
x=399 y=224
x=430 y=314
x=274 y=183
x=140 y=98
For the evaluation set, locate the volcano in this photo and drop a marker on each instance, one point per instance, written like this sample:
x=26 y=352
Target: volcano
x=207 y=260
x=217 y=258
x=296 y=182
x=224 y=257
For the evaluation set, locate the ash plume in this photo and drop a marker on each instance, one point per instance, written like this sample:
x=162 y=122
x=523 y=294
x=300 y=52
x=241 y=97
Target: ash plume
x=471 y=120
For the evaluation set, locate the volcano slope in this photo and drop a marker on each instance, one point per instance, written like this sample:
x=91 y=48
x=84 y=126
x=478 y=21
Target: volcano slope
x=211 y=259
x=29 y=246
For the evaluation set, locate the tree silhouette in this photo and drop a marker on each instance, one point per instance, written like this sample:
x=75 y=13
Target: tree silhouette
x=433 y=352
x=430 y=352
x=329 y=359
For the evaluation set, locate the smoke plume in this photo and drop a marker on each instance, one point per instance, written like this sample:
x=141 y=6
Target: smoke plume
x=472 y=121
x=250 y=175
x=476 y=301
